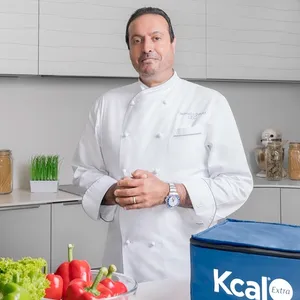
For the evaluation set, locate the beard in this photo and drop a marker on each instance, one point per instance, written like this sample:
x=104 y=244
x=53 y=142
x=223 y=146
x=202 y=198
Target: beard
x=147 y=69
x=148 y=63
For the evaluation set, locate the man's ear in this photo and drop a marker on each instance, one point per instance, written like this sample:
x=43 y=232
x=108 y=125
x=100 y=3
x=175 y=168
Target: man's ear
x=174 y=44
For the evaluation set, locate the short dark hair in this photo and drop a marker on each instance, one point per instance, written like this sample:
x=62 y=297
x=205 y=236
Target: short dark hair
x=148 y=11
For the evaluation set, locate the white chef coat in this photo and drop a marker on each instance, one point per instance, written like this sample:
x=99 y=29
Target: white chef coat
x=183 y=133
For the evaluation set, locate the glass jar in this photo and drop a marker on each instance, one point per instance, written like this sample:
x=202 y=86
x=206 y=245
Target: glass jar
x=274 y=161
x=294 y=161
x=6 y=171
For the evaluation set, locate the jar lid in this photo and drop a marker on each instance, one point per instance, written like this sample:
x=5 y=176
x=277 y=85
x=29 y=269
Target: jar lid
x=294 y=144
x=5 y=152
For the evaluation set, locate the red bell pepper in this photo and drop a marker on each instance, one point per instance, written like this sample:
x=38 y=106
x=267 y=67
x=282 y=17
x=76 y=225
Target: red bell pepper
x=55 y=290
x=79 y=289
x=73 y=269
x=116 y=287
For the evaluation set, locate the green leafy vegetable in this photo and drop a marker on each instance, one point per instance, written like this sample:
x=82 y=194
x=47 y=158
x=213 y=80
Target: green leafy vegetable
x=30 y=275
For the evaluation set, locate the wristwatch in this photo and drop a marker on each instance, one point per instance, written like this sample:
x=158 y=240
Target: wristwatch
x=173 y=199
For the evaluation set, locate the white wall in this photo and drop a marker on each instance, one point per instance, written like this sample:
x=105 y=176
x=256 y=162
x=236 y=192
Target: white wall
x=47 y=115
x=258 y=106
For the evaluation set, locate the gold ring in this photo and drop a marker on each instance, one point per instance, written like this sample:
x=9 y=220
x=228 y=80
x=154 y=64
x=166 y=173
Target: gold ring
x=133 y=200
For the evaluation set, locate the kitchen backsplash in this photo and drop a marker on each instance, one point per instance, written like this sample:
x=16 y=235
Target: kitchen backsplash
x=47 y=115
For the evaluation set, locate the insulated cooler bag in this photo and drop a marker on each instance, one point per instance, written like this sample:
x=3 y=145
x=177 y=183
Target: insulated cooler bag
x=246 y=260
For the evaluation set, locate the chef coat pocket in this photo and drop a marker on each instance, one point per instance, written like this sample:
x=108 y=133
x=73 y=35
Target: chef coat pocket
x=188 y=131
x=187 y=147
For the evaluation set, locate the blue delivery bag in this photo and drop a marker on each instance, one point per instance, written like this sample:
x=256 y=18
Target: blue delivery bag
x=246 y=260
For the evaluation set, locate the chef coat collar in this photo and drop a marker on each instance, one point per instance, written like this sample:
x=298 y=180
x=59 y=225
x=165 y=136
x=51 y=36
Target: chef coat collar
x=162 y=86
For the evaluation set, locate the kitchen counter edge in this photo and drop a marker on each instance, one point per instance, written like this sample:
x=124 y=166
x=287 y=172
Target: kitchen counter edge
x=23 y=197
x=284 y=183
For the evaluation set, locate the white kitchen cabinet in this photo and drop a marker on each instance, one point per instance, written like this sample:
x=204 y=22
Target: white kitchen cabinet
x=290 y=206
x=87 y=38
x=19 y=37
x=253 y=39
x=263 y=205
x=25 y=231
x=83 y=38
x=71 y=225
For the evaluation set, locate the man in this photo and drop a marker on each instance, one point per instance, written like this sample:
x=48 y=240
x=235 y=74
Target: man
x=161 y=159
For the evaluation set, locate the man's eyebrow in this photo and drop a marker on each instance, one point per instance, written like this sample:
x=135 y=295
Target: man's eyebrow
x=140 y=36
x=155 y=32
x=136 y=36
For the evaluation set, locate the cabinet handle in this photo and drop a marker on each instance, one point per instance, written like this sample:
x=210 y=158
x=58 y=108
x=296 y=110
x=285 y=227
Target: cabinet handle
x=77 y=202
x=19 y=207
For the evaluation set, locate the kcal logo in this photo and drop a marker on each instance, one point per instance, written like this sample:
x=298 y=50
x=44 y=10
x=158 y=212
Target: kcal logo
x=277 y=289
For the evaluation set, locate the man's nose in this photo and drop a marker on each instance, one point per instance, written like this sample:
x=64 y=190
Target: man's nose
x=148 y=45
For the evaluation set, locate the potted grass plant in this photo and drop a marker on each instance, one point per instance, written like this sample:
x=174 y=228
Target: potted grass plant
x=44 y=173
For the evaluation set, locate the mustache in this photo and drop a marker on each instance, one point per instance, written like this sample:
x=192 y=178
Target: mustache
x=151 y=55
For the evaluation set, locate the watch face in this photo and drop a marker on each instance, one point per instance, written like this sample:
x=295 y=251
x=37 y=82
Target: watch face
x=173 y=200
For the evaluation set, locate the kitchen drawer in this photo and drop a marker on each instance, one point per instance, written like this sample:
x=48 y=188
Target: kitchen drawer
x=25 y=231
x=290 y=206
x=71 y=225
x=263 y=205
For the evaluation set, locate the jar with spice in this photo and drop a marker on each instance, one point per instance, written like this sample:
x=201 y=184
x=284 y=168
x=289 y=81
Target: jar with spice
x=6 y=171
x=274 y=161
x=294 y=161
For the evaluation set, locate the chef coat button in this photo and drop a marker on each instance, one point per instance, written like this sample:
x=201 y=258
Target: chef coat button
x=127 y=242
x=132 y=102
x=125 y=134
x=152 y=244
x=155 y=171
x=159 y=135
x=164 y=102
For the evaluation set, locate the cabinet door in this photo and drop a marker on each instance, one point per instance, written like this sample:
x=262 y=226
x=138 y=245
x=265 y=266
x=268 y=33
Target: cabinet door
x=253 y=39
x=25 y=231
x=19 y=37
x=83 y=38
x=87 y=38
x=71 y=225
x=262 y=205
x=290 y=206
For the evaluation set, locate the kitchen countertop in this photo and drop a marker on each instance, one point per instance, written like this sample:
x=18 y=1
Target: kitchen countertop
x=284 y=183
x=22 y=197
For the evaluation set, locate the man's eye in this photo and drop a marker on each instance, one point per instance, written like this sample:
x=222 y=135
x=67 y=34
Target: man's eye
x=136 y=41
x=157 y=38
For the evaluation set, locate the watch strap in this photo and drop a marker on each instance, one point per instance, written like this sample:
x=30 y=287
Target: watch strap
x=173 y=190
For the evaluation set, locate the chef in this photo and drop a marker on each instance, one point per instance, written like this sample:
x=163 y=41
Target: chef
x=160 y=159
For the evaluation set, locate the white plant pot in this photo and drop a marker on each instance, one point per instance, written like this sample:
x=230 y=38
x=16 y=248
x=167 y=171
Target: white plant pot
x=41 y=186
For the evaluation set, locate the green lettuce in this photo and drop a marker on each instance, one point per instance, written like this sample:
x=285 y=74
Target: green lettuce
x=31 y=274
